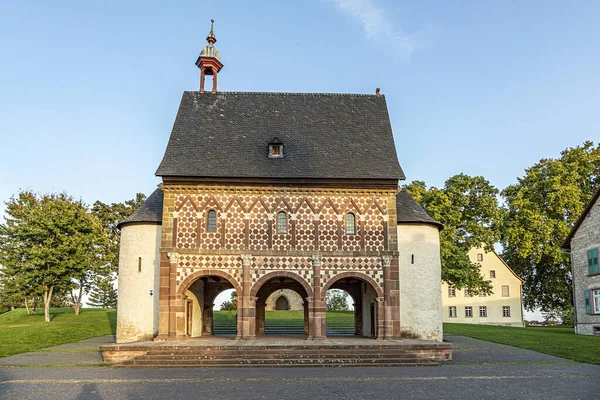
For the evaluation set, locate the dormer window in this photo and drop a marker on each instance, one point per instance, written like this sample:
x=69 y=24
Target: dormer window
x=276 y=148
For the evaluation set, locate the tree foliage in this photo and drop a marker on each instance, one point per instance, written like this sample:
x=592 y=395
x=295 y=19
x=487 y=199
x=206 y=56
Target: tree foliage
x=541 y=209
x=335 y=300
x=230 y=305
x=103 y=294
x=468 y=208
x=45 y=241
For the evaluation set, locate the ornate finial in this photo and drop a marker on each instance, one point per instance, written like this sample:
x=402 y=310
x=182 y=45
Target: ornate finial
x=211 y=38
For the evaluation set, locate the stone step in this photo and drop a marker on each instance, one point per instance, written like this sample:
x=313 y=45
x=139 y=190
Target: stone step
x=239 y=356
x=278 y=362
x=148 y=366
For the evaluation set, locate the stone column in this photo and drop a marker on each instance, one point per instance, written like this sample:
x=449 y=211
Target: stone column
x=305 y=305
x=380 y=317
x=163 y=299
x=248 y=302
x=358 y=319
x=387 y=304
x=260 y=317
x=318 y=315
x=176 y=314
x=207 y=319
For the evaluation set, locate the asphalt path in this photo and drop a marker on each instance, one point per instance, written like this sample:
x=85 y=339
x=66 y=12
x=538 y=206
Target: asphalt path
x=480 y=370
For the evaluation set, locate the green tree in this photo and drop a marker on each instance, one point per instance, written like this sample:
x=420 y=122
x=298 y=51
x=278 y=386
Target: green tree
x=335 y=300
x=45 y=240
x=103 y=294
x=541 y=209
x=109 y=216
x=230 y=305
x=468 y=208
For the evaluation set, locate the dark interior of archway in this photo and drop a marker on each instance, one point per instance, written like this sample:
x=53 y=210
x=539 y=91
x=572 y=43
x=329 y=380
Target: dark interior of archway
x=346 y=323
x=281 y=322
x=216 y=322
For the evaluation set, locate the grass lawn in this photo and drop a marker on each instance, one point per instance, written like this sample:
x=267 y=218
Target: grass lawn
x=289 y=317
x=20 y=333
x=560 y=342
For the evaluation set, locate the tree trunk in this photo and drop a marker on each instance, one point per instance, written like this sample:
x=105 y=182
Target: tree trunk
x=77 y=300
x=47 y=298
x=26 y=305
x=35 y=303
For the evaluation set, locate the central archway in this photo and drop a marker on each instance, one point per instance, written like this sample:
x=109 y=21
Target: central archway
x=281 y=321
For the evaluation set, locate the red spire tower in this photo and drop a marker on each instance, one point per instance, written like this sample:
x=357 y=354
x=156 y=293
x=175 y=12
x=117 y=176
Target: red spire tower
x=209 y=60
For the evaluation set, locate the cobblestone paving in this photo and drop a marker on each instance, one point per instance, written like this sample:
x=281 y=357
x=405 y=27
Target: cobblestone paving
x=480 y=370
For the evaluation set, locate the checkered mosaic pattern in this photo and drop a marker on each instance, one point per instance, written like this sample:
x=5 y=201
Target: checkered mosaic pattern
x=233 y=209
x=370 y=266
x=188 y=264
x=301 y=266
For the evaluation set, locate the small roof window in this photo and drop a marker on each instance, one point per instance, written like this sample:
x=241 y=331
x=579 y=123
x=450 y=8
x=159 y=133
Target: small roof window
x=275 y=148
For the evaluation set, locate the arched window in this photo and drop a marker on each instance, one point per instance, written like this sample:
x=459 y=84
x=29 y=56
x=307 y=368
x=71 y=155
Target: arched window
x=350 y=224
x=211 y=223
x=281 y=222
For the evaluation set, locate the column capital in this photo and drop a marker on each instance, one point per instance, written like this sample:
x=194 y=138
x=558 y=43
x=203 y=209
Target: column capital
x=317 y=260
x=380 y=300
x=246 y=260
x=386 y=260
x=173 y=257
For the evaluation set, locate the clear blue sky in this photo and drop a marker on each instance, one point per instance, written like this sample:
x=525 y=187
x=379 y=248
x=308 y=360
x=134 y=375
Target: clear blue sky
x=89 y=89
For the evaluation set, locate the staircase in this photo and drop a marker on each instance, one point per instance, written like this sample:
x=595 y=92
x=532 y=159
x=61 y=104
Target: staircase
x=278 y=356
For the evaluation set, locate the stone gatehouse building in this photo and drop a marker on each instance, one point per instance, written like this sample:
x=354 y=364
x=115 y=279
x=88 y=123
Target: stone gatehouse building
x=268 y=191
x=584 y=244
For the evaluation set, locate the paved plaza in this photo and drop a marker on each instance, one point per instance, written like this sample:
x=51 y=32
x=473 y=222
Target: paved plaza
x=479 y=370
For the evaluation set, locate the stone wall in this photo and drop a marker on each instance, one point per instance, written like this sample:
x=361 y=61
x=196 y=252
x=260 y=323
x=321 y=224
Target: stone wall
x=138 y=283
x=420 y=281
x=294 y=300
x=586 y=238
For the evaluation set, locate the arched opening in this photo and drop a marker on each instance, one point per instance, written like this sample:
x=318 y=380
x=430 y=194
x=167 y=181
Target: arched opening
x=282 y=308
x=340 y=313
x=282 y=303
x=362 y=317
x=202 y=313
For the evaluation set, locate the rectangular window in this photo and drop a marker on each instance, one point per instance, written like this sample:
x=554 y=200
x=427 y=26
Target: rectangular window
x=592 y=256
x=492 y=273
x=452 y=311
x=505 y=291
x=468 y=292
x=479 y=257
x=506 y=311
x=468 y=311
x=596 y=300
x=483 y=311
x=451 y=292
x=139 y=264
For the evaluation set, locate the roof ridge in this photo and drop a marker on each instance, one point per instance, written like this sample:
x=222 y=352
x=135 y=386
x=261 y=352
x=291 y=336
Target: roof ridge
x=287 y=93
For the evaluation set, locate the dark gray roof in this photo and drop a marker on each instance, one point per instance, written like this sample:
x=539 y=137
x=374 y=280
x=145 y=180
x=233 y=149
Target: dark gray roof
x=149 y=212
x=410 y=212
x=337 y=136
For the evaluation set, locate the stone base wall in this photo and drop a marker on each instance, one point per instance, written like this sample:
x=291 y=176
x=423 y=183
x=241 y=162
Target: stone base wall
x=294 y=300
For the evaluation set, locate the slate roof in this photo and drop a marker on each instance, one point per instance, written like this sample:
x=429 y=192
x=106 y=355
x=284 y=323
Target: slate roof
x=410 y=212
x=150 y=211
x=567 y=243
x=326 y=136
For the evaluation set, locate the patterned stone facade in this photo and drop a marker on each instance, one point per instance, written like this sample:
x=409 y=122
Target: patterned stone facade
x=246 y=249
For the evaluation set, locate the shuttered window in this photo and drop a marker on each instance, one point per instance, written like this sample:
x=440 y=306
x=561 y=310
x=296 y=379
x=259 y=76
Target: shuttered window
x=588 y=308
x=592 y=256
